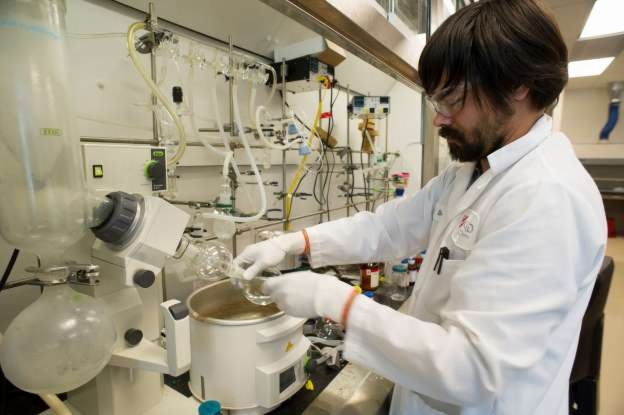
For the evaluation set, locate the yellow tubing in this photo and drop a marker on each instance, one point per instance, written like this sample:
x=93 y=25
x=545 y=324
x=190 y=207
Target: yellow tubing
x=302 y=163
x=156 y=91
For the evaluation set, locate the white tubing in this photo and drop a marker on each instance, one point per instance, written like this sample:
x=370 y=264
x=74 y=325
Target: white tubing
x=266 y=140
x=254 y=167
x=156 y=91
x=57 y=406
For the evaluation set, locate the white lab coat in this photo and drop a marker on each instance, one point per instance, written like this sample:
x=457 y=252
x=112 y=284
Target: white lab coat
x=496 y=331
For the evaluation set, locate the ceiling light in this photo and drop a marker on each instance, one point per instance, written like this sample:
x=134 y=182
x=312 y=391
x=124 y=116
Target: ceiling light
x=590 y=67
x=605 y=19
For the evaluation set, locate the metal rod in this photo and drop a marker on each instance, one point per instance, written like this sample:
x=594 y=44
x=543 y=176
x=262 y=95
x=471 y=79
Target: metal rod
x=154 y=71
x=296 y=218
x=284 y=195
x=386 y=170
x=248 y=130
x=191 y=203
x=106 y=140
x=348 y=92
x=233 y=131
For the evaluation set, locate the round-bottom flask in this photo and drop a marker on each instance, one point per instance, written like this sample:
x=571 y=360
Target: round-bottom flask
x=58 y=343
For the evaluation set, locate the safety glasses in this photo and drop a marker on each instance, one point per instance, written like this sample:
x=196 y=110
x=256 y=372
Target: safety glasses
x=447 y=103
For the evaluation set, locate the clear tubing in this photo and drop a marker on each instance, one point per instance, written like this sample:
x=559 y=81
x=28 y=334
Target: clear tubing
x=42 y=203
x=203 y=140
x=266 y=140
x=226 y=141
x=156 y=91
x=254 y=168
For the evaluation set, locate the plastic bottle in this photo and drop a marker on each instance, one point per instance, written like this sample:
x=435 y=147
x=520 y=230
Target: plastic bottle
x=412 y=270
x=42 y=198
x=400 y=283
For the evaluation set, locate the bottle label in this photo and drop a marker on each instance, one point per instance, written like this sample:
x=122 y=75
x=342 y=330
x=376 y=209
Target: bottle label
x=413 y=275
x=374 y=279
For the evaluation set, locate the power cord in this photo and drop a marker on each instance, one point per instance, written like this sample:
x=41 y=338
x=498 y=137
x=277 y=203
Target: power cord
x=9 y=268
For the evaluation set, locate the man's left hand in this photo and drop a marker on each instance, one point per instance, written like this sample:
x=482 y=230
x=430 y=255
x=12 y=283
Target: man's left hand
x=308 y=295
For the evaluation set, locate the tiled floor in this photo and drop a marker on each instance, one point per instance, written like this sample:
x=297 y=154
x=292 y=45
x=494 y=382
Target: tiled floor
x=612 y=372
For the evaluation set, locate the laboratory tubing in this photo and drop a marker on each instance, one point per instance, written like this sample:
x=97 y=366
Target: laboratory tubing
x=42 y=203
x=171 y=162
x=254 y=168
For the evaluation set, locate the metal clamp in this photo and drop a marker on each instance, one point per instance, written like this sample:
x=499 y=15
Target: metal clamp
x=79 y=274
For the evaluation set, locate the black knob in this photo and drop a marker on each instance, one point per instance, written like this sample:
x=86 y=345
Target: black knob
x=177 y=94
x=118 y=225
x=156 y=169
x=133 y=337
x=144 y=278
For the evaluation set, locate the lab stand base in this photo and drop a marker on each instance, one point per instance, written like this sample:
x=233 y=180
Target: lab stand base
x=172 y=403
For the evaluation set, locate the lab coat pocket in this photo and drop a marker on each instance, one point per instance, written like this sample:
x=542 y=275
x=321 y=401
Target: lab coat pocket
x=437 y=289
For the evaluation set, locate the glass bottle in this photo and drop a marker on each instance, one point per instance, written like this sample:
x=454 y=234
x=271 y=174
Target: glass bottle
x=369 y=277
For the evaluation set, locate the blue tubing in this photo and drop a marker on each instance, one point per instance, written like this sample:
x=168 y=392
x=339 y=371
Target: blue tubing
x=614 y=113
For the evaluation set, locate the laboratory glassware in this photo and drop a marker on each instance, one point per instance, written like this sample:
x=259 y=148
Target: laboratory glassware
x=58 y=343
x=42 y=198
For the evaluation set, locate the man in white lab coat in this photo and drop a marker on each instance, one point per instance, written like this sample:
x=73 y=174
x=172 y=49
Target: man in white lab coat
x=515 y=234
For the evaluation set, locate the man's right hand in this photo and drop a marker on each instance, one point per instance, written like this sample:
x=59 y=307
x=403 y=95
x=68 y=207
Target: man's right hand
x=270 y=253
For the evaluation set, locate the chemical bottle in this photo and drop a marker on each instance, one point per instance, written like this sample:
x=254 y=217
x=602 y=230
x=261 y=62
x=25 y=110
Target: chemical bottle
x=369 y=277
x=412 y=269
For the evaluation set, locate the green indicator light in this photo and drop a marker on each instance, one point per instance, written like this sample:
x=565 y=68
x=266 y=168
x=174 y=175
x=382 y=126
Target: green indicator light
x=158 y=153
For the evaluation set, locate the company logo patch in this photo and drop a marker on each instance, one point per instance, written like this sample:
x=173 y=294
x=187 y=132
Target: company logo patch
x=465 y=235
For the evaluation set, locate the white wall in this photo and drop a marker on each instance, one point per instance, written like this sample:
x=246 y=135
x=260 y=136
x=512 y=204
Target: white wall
x=585 y=112
x=111 y=102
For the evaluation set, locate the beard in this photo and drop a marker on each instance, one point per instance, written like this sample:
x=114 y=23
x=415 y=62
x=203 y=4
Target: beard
x=475 y=146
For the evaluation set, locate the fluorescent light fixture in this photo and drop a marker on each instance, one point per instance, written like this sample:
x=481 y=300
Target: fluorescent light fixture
x=591 y=67
x=606 y=18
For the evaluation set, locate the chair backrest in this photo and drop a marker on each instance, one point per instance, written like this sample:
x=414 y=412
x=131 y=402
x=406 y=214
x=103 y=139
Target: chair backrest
x=587 y=361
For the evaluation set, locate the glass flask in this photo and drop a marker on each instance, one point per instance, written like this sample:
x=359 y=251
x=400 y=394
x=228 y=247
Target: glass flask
x=42 y=202
x=252 y=289
x=208 y=260
x=58 y=343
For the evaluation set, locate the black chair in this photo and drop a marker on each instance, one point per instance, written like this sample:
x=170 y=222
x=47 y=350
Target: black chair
x=586 y=370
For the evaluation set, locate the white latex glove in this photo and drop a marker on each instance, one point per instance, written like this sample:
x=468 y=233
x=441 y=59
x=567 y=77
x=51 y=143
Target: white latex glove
x=269 y=253
x=307 y=294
